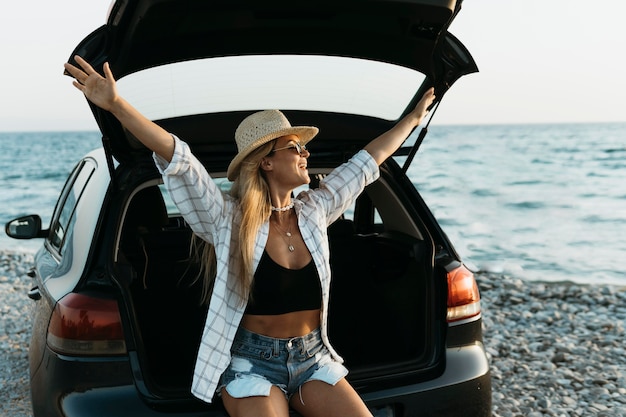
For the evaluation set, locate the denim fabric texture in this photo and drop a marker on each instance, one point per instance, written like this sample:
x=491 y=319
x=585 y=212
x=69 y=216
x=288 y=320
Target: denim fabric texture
x=258 y=362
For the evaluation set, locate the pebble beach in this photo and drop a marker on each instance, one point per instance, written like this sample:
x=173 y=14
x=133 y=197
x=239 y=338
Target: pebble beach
x=15 y=330
x=555 y=349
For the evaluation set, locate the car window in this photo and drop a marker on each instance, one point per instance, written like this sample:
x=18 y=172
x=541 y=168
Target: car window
x=63 y=217
x=286 y=82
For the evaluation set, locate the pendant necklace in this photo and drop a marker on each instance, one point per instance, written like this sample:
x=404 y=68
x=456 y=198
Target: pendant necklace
x=286 y=233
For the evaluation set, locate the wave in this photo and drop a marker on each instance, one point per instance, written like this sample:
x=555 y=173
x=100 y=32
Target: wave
x=615 y=150
x=595 y=218
x=526 y=182
x=524 y=205
x=485 y=192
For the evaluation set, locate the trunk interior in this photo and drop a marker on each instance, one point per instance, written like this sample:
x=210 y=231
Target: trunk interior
x=382 y=310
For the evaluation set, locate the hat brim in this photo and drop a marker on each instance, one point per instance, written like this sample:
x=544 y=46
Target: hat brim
x=304 y=134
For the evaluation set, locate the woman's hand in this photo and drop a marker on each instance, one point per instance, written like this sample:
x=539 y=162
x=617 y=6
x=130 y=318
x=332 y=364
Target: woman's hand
x=421 y=110
x=101 y=91
x=386 y=144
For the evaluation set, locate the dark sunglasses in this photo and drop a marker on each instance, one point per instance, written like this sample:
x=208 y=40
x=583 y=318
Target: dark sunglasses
x=299 y=148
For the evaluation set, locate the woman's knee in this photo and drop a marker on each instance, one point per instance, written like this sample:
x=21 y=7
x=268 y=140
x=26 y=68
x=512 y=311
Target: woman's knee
x=273 y=405
x=318 y=398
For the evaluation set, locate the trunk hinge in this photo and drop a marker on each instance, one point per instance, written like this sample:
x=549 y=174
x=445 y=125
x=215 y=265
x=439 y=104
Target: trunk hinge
x=106 y=143
x=419 y=140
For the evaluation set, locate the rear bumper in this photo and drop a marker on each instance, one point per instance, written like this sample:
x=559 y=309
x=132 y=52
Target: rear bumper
x=106 y=388
x=65 y=386
x=464 y=389
x=122 y=401
x=58 y=376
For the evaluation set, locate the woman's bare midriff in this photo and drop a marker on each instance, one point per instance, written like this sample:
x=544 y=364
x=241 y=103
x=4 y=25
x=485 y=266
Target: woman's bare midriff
x=283 y=326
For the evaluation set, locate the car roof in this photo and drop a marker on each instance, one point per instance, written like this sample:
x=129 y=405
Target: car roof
x=143 y=37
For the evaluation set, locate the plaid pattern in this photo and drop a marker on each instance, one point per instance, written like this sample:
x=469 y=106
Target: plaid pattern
x=215 y=217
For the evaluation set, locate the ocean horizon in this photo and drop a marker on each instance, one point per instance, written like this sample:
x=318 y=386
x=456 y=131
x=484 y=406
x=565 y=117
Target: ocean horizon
x=533 y=201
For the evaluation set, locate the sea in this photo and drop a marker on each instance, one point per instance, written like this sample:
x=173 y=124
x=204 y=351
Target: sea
x=540 y=202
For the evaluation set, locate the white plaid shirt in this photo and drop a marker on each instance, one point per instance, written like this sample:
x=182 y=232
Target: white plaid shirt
x=216 y=217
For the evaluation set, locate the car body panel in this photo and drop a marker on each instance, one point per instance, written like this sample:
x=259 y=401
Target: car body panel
x=41 y=312
x=74 y=375
x=117 y=401
x=147 y=33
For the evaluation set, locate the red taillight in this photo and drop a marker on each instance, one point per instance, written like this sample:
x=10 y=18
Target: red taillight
x=84 y=325
x=463 y=295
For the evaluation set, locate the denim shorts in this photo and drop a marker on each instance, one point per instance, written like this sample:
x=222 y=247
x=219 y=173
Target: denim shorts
x=258 y=362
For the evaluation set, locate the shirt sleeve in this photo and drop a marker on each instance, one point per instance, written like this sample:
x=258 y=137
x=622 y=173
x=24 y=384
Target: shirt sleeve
x=338 y=191
x=200 y=201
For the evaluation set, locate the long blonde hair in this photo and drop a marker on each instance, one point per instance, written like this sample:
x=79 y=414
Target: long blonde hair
x=251 y=189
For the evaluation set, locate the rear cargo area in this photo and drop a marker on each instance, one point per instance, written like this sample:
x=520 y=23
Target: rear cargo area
x=381 y=312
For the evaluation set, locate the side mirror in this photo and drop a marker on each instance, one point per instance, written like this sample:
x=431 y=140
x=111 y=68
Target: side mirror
x=26 y=227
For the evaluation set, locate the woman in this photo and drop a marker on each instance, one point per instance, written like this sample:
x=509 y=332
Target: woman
x=265 y=345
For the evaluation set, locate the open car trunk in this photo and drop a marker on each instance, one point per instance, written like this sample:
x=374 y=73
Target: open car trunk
x=386 y=314
x=284 y=55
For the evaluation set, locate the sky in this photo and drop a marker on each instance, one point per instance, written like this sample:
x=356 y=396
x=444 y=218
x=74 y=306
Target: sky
x=540 y=61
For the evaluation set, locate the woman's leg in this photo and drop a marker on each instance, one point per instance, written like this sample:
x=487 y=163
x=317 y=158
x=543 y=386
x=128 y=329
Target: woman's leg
x=319 y=399
x=275 y=405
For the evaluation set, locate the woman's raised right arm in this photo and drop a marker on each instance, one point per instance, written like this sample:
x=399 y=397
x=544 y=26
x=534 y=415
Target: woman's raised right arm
x=102 y=91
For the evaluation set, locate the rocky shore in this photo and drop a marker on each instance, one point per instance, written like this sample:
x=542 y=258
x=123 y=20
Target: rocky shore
x=555 y=349
x=15 y=326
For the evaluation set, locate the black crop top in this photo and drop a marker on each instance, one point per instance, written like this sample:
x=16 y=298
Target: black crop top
x=278 y=290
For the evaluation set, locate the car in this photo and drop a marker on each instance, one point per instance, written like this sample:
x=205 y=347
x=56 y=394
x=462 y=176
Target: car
x=118 y=312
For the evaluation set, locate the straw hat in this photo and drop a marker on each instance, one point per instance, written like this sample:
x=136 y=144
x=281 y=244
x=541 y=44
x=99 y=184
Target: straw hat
x=260 y=128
